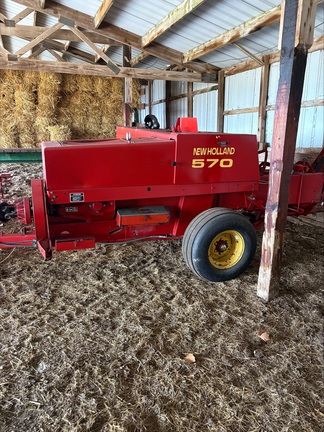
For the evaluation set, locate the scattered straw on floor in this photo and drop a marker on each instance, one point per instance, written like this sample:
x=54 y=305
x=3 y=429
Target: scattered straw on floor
x=98 y=340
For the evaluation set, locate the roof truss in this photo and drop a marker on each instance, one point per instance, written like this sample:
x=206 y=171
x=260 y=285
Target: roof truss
x=98 y=35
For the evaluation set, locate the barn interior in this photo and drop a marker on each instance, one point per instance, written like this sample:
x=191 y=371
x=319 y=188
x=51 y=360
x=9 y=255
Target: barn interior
x=124 y=337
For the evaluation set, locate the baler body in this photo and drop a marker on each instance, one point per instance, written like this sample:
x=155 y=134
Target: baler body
x=147 y=184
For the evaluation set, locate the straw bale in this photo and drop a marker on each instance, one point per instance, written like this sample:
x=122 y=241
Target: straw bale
x=85 y=83
x=8 y=137
x=102 y=86
x=27 y=137
x=59 y=133
x=42 y=131
x=69 y=83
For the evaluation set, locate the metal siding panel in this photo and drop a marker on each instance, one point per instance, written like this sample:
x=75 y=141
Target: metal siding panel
x=205 y=109
x=310 y=128
x=241 y=123
x=242 y=90
x=159 y=112
x=178 y=108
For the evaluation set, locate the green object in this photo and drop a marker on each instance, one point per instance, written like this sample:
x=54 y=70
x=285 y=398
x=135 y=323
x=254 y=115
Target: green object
x=20 y=156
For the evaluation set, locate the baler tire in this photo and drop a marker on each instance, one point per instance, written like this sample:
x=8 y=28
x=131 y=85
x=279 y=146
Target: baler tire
x=221 y=228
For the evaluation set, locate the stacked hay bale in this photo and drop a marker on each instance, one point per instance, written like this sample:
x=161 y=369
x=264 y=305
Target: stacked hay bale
x=25 y=108
x=38 y=107
x=110 y=94
x=48 y=97
x=8 y=131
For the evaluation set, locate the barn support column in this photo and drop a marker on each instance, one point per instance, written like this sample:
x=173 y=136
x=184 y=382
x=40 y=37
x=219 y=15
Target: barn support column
x=220 y=102
x=189 y=99
x=264 y=85
x=167 y=104
x=297 y=25
x=127 y=88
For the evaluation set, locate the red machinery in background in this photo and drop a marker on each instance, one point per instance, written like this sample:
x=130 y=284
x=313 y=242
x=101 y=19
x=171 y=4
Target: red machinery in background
x=150 y=184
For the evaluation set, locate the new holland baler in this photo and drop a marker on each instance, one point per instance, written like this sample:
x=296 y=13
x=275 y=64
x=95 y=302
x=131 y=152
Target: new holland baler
x=148 y=184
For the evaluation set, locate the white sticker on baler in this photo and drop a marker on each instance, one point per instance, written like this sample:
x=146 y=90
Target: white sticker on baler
x=77 y=197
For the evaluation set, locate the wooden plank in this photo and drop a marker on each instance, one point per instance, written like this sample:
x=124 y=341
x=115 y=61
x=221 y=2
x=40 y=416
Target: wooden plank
x=39 y=39
x=273 y=58
x=41 y=3
x=220 y=101
x=97 y=50
x=264 y=85
x=177 y=14
x=94 y=69
x=31 y=32
x=189 y=99
x=21 y=15
x=139 y=58
x=102 y=12
x=127 y=88
x=263 y=20
x=292 y=73
x=123 y=36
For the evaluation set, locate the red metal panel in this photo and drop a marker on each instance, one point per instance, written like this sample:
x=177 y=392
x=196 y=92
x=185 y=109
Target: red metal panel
x=79 y=168
x=210 y=157
x=75 y=243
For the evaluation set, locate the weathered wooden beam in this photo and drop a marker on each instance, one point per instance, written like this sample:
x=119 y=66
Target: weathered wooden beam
x=264 y=85
x=41 y=3
x=220 y=101
x=39 y=39
x=139 y=58
x=273 y=58
x=95 y=69
x=97 y=50
x=247 y=52
x=127 y=88
x=177 y=14
x=102 y=12
x=265 y=19
x=167 y=104
x=31 y=32
x=254 y=24
x=292 y=73
x=190 y=99
x=21 y=15
x=123 y=36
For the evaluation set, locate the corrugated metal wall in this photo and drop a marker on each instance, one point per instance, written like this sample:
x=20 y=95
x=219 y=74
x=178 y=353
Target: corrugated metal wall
x=311 y=121
x=242 y=92
x=205 y=108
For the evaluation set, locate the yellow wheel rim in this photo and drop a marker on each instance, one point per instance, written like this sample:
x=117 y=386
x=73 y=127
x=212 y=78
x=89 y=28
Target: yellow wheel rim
x=226 y=249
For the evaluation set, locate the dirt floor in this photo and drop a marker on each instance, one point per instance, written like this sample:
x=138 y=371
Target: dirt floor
x=98 y=340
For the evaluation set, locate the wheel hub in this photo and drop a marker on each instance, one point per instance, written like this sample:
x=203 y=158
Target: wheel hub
x=226 y=249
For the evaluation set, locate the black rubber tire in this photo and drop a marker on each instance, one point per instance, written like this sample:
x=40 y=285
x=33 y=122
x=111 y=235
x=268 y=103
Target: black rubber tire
x=199 y=235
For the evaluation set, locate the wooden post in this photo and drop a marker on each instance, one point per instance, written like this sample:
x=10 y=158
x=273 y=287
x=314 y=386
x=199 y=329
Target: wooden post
x=189 y=99
x=296 y=23
x=167 y=104
x=220 y=103
x=127 y=88
x=264 y=84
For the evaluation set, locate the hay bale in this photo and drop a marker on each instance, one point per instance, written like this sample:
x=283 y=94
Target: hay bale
x=24 y=115
x=8 y=137
x=59 y=133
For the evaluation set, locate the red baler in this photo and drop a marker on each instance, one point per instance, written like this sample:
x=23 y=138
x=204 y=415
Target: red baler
x=149 y=184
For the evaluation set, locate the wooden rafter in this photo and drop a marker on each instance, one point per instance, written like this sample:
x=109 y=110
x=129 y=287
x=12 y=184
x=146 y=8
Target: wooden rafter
x=99 y=70
x=31 y=32
x=139 y=58
x=39 y=39
x=265 y=19
x=186 y=7
x=97 y=50
x=85 y=21
x=21 y=15
x=254 y=24
x=102 y=12
x=41 y=3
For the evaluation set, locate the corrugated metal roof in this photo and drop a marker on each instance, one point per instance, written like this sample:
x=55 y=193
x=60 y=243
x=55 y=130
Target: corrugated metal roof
x=207 y=21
